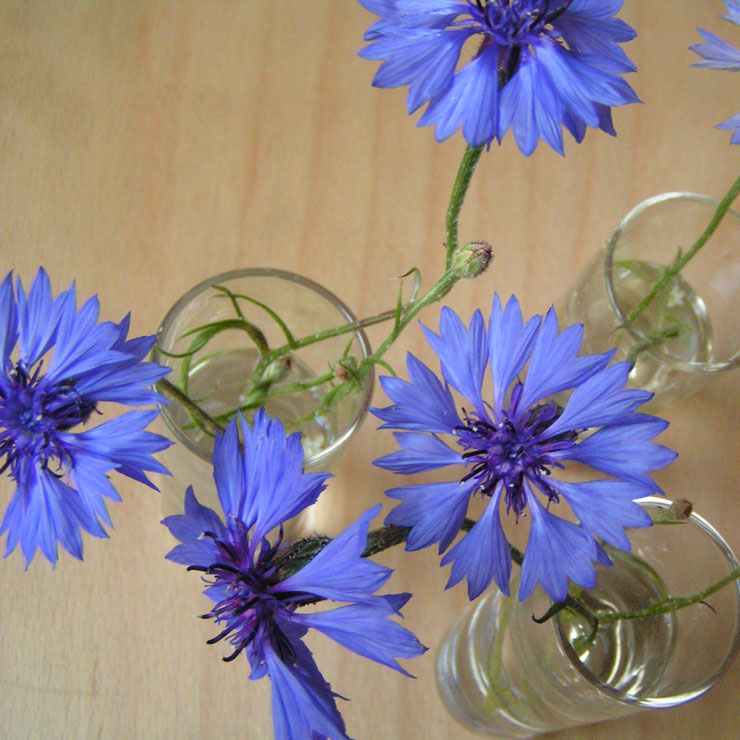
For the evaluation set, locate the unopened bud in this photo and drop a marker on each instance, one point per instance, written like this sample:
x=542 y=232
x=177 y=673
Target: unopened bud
x=277 y=369
x=472 y=259
x=681 y=508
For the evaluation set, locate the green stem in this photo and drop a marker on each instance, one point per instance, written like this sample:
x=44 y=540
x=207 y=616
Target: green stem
x=443 y=286
x=321 y=336
x=670 y=272
x=205 y=422
x=457 y=198
x=385 y=537
x=654 y=340
x=403 y=315
x=438 y=291
x=382 y=538
x=671 y=604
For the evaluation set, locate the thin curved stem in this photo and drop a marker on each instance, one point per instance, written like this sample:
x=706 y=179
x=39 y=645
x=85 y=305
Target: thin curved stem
x=457 y=198
x=670 y=604
x=201 y=419
x=671 y=271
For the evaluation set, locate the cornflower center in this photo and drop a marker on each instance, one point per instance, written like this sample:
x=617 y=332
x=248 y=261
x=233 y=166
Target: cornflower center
x=512 y=451
x=514 y=21
x=248 y=608
x=32 y=412
x=513 y=25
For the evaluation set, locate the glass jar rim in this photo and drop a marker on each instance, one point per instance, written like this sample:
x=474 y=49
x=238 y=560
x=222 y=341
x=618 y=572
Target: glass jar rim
x=658 y=702
x=170 y=317
x=657 y=352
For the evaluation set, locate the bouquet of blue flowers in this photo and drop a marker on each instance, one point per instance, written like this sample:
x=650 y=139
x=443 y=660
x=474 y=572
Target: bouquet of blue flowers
x=514 y=403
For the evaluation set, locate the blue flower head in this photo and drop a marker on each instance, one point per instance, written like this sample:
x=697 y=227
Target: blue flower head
x=508 y=449
x=538 y=65
x=67 y=363
x=261 y=484
x=718 y=54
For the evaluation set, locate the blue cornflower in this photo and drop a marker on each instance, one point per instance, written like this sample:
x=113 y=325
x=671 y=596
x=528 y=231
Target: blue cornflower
x=539 y=65
x=261 y=484
x=718 y=54
x=509 y=449
x=60 y=474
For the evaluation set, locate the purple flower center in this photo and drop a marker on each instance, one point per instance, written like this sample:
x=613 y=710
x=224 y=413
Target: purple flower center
x=513 y=25
x=512 y=22
x=248 y=608
x=32 y=412
x=512 y=451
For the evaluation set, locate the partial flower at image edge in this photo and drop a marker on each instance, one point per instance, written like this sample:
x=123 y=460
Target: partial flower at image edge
x=58 y=365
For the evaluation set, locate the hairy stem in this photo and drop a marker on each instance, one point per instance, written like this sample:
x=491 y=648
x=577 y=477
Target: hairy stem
x=680 y=262
x=457 y=198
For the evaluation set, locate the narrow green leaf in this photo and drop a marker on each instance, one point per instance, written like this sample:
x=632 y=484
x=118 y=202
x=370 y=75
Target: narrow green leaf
x=289 y=338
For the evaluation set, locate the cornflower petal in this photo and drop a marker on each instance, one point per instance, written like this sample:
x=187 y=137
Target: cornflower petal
x=531 y=107
x=93 y=485
x=189 y=528
x=424 y=60
x=624 y=452
x=274 y=493
x=410 y=15
x=434 y=511
x=583 y=81
x=716 y=53
x=732 y=124
x=590 y=28
x=128 y=380
x=510 y=344
x=38 y=316
x=302 y=708
x=419 y=452
x=258 y=586
x=462 y=353
x=554 y=366
x=536 y=68
x=605 y=507
x=122 y=441
x=379 y=7
x=423 y=404
x=733 y=12
x=8 y=321
x=338 y=572
x=470 y=102
x=82 y=343
x=61 y=473
x=365 y=629
x=557 y=551
x=230 y=478
x=483 y=554
x=600 y=400
x=46 y=511
x=128 y=383
x=516 y=455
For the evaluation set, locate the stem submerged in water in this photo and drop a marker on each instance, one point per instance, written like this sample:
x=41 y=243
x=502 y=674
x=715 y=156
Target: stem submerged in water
x=259 y=388
x=200 y=418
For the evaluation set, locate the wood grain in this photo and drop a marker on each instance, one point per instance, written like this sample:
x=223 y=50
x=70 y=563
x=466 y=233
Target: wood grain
x=147 y=144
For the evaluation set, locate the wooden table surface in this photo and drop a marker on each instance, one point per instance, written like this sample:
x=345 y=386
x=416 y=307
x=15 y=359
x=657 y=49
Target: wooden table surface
x=148 y=144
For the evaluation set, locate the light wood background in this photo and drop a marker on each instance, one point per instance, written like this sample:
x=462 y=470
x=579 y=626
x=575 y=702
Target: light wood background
x=147 y=144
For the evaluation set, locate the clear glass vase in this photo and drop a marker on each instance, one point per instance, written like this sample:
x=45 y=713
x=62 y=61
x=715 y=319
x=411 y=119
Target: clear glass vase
x=217 y=376
x=500 y=673
x=690 y=331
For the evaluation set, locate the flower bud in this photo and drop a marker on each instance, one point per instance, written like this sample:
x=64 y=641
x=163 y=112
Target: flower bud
x=472 y=259
x=277 y=369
